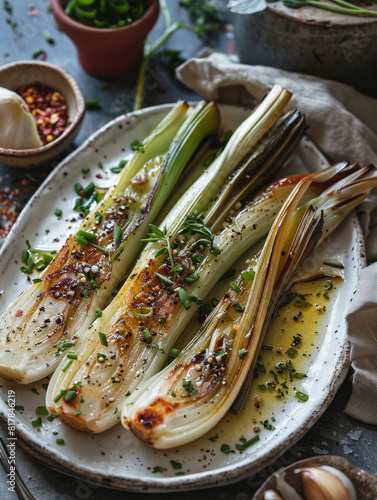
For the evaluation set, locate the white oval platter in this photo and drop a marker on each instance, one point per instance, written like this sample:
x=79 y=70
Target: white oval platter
x=115 y=458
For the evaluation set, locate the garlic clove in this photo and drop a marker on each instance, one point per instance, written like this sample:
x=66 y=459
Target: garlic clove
x=18 y=129
x=272 y=495
x=321 y=483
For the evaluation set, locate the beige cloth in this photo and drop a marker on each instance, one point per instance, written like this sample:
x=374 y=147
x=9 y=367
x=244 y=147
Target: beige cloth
x=343 y=123
x=362 y=333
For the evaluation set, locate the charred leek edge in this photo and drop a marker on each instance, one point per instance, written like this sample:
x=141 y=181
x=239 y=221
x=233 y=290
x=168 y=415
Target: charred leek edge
x=201 y=123
x=195 y=200
x=282 y=139
x=183 y=415
x=58 y=317
x=96 y=414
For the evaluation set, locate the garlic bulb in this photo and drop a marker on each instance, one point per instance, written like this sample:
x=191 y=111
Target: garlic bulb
x=326 y=483
x=272 y=495
x=18 y=129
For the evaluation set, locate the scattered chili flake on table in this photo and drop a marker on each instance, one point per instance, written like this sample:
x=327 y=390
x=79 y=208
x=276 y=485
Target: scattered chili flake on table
x=49 y=108
x=9 y=210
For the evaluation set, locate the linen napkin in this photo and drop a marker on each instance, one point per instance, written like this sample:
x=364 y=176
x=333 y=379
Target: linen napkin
x=343 y=123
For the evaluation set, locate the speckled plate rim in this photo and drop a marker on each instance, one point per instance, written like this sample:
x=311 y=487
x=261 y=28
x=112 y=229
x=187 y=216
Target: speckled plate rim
x=223 y=475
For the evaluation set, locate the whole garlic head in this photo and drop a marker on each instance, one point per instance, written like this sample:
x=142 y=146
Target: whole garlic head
x=326 y=483
x=18 y=129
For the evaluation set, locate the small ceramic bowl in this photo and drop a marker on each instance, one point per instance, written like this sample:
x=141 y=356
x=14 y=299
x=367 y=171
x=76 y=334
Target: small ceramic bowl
x=13 y=76
x=107 y=52
x=364 y=483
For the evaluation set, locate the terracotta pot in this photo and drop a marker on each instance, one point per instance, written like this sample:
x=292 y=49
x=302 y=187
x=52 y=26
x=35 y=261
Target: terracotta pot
x=107 y=52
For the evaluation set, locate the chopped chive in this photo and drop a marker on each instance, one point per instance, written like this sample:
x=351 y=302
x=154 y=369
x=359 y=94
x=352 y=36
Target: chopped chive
x=247 y=444
x=67 y=365
x=162 y=320
x=176 y=465
x=41 y=410
x=48 y=37
x=192 y=278
x=88 y=190
x=301 y=396
x=117 y=235
x=26 y=270
x=242 y=353
x=34 y=391
x=65 y=345
x=101 y=357
x=70 y=395
x=51 y=418
x=92 y=104
x=187 y=384
x=164 y=279
x=98 y=312
x=60 y=441
x=78 y=204
x=299 y=375
x=128 y=394
x=292 y=352
x=37 y=422
x=98 y=219
x=37 y=280
x=234 y=286
x=87 y=235
x=102 y=338
x=225 y=448
x=58 y=212
x=174 y=353
x=72 y=355
x=60 y=394
x=78 y=412
x=173 y=395
x=215 y=251
x=185 y=299
x=136 y=145
x=78 y=188
x=156 y=469
x=248 y=275
x=146 y=334
x=85 y=170
x=37 y=53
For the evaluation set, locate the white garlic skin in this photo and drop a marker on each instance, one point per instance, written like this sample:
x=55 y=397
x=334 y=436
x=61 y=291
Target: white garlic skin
x=326 y=483
x=18 y=129
x=272 y=495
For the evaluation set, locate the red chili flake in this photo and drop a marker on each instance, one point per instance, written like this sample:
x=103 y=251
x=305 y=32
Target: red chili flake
x=19 y=313
x=49 y=109
x=99 y=176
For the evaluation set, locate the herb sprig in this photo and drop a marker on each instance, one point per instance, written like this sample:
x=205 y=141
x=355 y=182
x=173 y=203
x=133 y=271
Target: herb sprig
x=157 y=235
